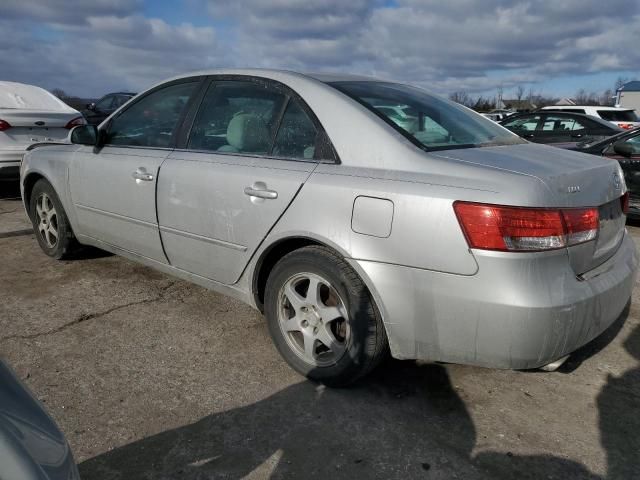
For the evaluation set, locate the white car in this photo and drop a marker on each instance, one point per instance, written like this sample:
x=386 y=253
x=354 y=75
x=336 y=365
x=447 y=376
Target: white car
x=28 y=115
x=622 y=117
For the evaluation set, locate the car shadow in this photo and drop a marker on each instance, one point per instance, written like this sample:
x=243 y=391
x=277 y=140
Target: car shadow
x=9 y=189
x=619 y=408
x=403 y=421
x=596 y=345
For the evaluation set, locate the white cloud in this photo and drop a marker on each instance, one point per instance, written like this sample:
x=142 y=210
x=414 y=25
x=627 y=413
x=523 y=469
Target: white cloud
x=92 y=47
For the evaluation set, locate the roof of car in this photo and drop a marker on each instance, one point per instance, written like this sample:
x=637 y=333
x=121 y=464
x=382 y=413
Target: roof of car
x=571 y=114
x=22 y=96
x=280 y=74
x=569 y=107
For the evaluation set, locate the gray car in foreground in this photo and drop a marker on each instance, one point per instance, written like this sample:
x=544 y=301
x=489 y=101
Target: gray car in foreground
x=31 y=445
x=360 y=216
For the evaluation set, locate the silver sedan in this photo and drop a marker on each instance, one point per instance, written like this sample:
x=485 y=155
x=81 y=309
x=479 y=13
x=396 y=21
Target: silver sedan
x=360 y=216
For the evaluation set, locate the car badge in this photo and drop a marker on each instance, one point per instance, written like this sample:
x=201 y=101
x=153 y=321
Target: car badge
x=573 y=189
x=616 y=181
x=39 y=123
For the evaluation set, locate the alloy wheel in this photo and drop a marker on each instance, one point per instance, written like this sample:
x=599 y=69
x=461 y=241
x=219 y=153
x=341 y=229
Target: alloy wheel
x=47 y=220
x=313 y=319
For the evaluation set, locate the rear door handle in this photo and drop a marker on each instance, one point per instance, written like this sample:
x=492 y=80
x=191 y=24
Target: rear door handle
x=259 y=190
x=141 y=174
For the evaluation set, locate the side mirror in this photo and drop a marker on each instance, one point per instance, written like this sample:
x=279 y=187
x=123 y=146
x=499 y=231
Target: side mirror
x=84 y=135
x=623 y=148
x=91 y=106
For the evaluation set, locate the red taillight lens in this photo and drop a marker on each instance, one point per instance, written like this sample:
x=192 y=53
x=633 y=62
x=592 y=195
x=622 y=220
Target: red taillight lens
x=624 y=202
x=4 y=125
x=75 y=122
x=626 y=126
x=496 y=227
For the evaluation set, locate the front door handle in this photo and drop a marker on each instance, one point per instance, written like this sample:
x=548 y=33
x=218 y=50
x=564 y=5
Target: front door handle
x=141 y=174
x=259 y=190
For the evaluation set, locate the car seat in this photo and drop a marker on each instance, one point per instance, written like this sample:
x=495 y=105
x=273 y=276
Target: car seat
x=246 y=132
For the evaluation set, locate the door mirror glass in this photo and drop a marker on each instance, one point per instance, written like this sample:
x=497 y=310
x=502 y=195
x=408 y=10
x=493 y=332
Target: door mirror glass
x=84 y=135
x=91 y=106
x=623 y=148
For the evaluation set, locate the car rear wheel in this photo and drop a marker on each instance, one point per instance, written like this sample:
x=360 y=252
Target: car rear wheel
x=50 y=222
x=322 y=318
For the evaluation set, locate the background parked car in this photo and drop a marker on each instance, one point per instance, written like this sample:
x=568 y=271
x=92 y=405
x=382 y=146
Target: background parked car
x=28 y=115
x=622 y=117
x=559 y=127
x=31 y=445
x=625 y=148
x=95 y=113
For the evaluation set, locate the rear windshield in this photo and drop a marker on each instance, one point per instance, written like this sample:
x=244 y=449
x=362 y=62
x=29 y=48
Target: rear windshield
x=430 y=122
x=618 y=115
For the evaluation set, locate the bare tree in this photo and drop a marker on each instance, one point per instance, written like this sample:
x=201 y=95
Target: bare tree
x=462 y=97
x=58 y=92
x=620 y=81
x=607 y=98
x=581 y=97
x=519 y=92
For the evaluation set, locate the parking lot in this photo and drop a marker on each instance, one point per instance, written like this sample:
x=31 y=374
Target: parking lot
x=152 y=377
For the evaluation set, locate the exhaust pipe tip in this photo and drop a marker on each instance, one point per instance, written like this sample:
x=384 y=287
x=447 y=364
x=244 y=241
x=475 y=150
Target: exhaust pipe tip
x=553 y=366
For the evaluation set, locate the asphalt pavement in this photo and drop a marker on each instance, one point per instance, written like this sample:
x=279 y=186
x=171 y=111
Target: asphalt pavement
x=151 y=377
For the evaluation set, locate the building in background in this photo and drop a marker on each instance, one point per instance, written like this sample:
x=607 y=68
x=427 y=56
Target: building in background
x=628 y=95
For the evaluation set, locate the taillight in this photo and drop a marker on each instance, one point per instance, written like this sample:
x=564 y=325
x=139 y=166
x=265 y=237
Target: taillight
x=626 y=126
x=518 y=229
x=624 y=202
x=75 y=122
x=4 y=125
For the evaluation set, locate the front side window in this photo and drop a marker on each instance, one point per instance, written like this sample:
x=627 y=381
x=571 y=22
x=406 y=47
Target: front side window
x=153 y=120
x=237 y=117
x=523 y=124
x=431 y=122
x=105 y=103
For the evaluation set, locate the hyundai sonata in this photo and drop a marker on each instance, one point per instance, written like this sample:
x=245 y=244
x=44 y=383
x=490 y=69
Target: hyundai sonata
x=435 y=234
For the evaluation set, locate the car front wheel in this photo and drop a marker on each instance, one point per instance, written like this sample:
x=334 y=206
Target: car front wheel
x=50 y=221
x=322 y=318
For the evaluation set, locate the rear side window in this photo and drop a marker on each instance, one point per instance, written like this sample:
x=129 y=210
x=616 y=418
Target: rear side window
x=297 y=134
x=560 y=124
x=237 y=117
x=618 y=115
x=153 y=120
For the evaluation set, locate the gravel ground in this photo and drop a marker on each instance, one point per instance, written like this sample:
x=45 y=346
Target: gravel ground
x=152 y=377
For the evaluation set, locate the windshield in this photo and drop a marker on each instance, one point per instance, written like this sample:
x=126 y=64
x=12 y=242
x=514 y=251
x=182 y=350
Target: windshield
x=618 y=115
x=430 y=122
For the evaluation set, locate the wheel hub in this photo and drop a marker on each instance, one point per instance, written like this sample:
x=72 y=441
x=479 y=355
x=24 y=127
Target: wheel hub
x=310 y=316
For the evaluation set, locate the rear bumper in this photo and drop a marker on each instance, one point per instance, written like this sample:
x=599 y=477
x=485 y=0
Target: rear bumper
x=519 y=311
x=10 y=163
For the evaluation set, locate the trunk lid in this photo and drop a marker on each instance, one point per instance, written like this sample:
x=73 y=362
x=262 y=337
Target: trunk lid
x=33 y=126
x=574 y=180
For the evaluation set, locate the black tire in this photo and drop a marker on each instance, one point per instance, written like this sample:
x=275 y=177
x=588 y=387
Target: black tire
x=65 y=244
x=365 y=345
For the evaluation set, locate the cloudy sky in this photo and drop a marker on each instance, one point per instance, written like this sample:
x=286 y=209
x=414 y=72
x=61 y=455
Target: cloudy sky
x=90 y=47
